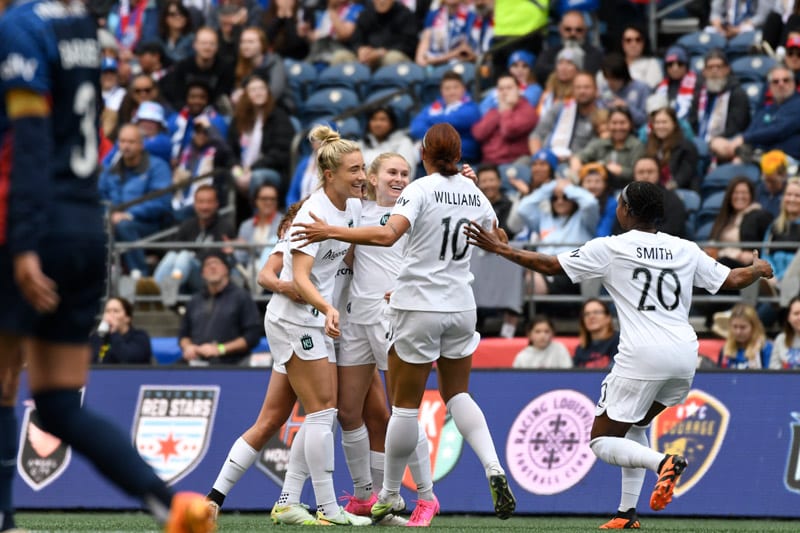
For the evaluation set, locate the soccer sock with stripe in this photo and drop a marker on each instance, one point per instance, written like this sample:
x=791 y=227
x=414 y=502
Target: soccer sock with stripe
x=108 y=448
x=356 y=452
x=296 y=471
x=625 y=452
x=319 y=455
x=633 y=478
x=472 y=425
x=240 y=457
x=419 y=463
x=401 y=439
x=8 y=464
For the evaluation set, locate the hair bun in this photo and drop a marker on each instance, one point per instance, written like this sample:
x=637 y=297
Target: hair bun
x=323 y=135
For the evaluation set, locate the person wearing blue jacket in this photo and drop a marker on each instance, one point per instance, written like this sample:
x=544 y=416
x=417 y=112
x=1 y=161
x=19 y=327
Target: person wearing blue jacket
x=135 y=174
x=456 y=108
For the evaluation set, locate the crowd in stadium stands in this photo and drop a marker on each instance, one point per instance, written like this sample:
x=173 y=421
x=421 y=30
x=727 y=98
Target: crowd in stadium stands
x=557 y=110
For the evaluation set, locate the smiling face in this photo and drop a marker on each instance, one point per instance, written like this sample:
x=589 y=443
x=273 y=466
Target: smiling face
x=257 y=92
x=791 y=200
x=393 y=176
x=348 y=179
x=619 y=126
x=489 y=183
x=740 y=197
x=663 y=126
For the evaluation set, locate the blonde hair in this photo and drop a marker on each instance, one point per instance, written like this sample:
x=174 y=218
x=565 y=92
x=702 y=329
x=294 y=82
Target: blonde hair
x=331 y=149
x=375 y=168
x=781 y=223
x=752 y=351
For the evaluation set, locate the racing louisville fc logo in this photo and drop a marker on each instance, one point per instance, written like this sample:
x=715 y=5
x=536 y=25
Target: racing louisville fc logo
x=42 y=457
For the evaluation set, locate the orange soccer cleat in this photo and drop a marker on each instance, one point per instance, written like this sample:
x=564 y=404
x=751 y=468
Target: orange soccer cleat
x=669 y=472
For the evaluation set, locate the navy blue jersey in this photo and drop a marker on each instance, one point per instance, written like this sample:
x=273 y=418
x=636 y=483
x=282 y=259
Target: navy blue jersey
x=50 y=47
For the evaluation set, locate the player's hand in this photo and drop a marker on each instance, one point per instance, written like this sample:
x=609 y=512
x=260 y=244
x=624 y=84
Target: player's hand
x=468 y=172
x=332 y=323
x=308 y=233
x=491 y=241
x=763 y=268
x=40 y=291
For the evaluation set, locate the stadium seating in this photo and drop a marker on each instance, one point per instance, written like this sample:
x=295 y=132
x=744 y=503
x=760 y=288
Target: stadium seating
x=400 y=76
x=696 y=64
x=353 y=76
x=709 y=209
x=698 y=43
x=718 y=179
x=327 y=103
x=301 y=77
x=755 y=94
x=740 y=45
x=430 y=88
x=691 y=201
x=752 y=68
x=513 y=170
x=402 y=104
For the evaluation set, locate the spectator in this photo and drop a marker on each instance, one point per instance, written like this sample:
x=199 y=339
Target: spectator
x=542 y=351
x=142 y=88
x=221 y=324
x=386 y=33
x=786 y=349
x=132 y=21
x=792 y=55
x=112 y=92
x=785 y=228
x=180 y=268
x=231 y=19
x=775 y=126
x=288 y=28
x=598 y=339
x=489 y=183
x=515 y=26
x=677 y=156
x=620 y=90
x=680 y=86
x=746 y=345
x=383 y=136
x=567 y=127
x=455 y=107
x=206 y=65
x=520 y=65
x=482 y=31
x=207 y=153
x=261 y=137
x=572 y=30
x=639 y=57
x=740 y=219
x=543 y=170
x=176 y=31
x=594 y=178
x=446 y=35
x=774 y=172
x=255 y=58
x=116 y=341
x=150 y=119
x=674 y=223
x=729 y=18
x=153 y=60
x=780 y=23
x=618 y=153
x=181 y=125
x=132 y=176
x=722 y=107
x=333 y=32
x=558 y=88
x=503 y=131
x=260 y=229
x=306 y=176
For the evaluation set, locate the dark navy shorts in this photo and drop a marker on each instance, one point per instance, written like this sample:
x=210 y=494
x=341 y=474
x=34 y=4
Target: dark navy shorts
x=78 y=266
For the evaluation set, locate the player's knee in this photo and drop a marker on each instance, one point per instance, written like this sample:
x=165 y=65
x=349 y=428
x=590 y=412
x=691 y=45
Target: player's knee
x=57 y=410
x=349 y=418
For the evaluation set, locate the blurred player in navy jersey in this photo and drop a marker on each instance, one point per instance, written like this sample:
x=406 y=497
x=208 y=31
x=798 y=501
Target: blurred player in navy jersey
x=52 y=248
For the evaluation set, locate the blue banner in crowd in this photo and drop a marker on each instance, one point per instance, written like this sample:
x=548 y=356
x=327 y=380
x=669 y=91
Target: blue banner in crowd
x=740 y=432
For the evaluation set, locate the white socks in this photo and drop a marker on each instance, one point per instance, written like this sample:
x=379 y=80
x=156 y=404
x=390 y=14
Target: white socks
x=625 y=452
x=419 y=463
x=318 y=447
x=471 y=424
x=240 y=457
x=356 y=452
x=296 y=471
x=633 y=478
x=401 y=439
x=376 y=466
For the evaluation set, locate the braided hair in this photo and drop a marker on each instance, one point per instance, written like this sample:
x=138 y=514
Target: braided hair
x=645 y=201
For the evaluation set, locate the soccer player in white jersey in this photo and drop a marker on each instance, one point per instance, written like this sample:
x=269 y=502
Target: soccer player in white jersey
x=649 y=276
x=433 y=311
x=301 y=334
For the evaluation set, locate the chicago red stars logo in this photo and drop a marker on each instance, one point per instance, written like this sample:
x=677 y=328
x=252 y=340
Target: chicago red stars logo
x=444 y=440
x=695 y=429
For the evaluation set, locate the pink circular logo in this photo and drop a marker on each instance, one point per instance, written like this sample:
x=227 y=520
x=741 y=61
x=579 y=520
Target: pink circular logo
x=548 y=445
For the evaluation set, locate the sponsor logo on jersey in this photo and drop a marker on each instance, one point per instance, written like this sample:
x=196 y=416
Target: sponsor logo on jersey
x=17 y=66
x=793 y=463
x=695 y=429
x=172 y=427
x=42 y=457
x=274 y=457
x=548 y=444
x=444 y=440
x=306 y=342
x=330 y=254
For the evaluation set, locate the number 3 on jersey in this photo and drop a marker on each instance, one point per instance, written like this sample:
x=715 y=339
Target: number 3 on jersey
x=83 y=159
x=645 y=274
x=455 y=252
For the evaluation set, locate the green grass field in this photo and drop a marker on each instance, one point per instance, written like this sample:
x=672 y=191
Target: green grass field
x=130 y=522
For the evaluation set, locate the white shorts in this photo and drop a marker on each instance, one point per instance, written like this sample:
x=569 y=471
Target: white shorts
x=306 y=342
x=423 y=336
x=629 y=400
x=364 y=344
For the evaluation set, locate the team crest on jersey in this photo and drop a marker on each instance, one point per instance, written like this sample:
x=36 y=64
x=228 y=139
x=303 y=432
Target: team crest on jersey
x=793 y=463
x=444 y=440
x=42 y=457
x=548 y=444
x=384 y=219
x=314 y=312
x=306 y=342
x=274 y=457
x=172 y=427
x=350 y=223
x=694 y=429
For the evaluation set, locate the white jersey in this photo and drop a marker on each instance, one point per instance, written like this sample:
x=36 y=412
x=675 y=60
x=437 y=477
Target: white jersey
x=435 y=275
x=327 y=255
x=650 y=278
x=375 y=270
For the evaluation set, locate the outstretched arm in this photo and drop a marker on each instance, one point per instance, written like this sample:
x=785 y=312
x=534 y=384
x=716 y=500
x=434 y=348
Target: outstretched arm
x=318 y=231
x=739 y=278
x=492 y=241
